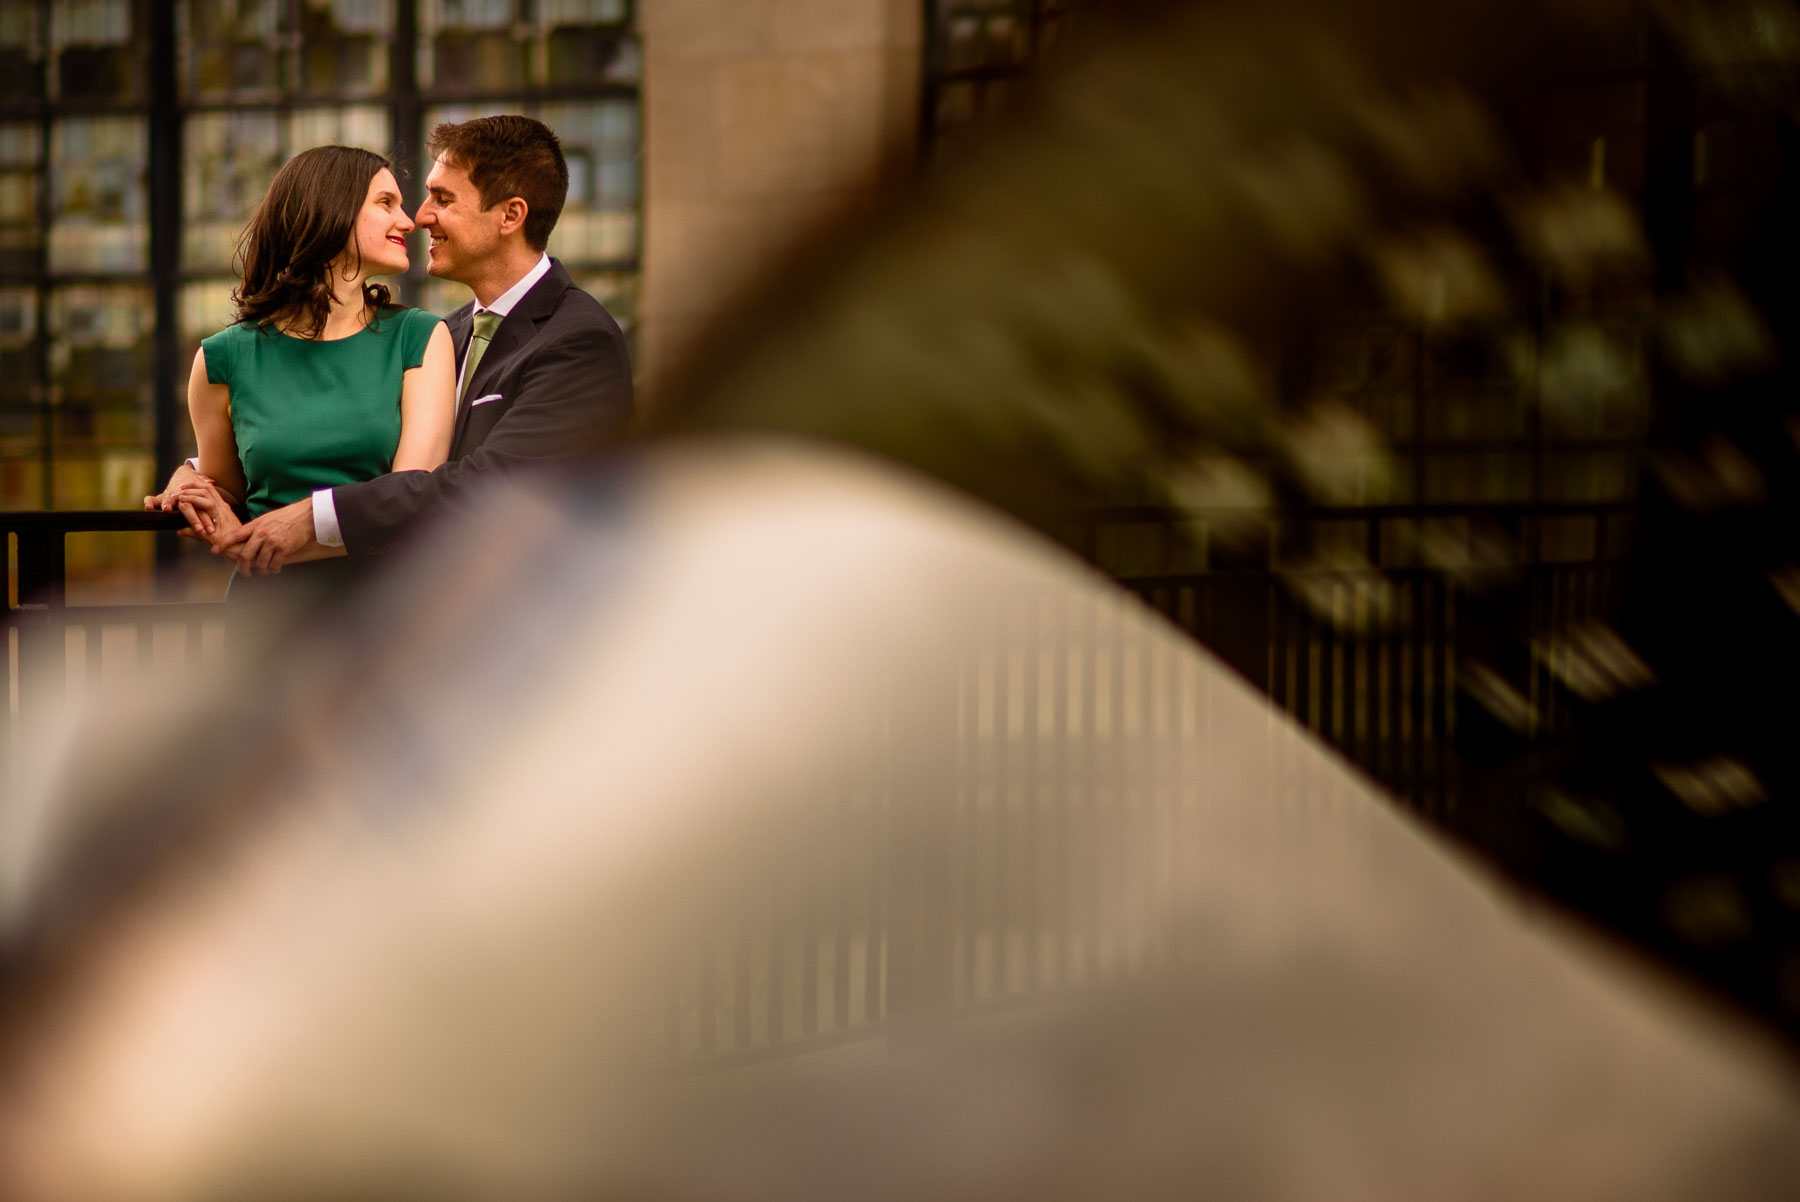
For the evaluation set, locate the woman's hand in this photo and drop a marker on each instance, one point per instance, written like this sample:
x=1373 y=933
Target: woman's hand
x=199 y=525
x=210 y=514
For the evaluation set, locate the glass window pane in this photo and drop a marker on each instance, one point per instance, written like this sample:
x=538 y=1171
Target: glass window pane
x=101 y=399
x=97 y=49
x=21 y=52
x=364 y=125
x=576 y=55
x=442 y=297
x=98 y=208
x=21 y=402
x=228 y=160
x=22 y=483
x=580 y=12
x=600 y=141
x=470 y=45
x=467 y=14
x=204 y=308
x=617 y=290
x=344 y=46
x=20 y=145
x=232 y=48
x=497 y=45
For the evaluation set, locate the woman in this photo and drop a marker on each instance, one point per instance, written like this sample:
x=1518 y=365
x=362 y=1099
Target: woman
x=321 y=380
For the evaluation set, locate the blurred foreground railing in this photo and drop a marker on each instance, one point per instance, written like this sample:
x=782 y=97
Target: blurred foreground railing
x=1062 y=705
x=1362 y=644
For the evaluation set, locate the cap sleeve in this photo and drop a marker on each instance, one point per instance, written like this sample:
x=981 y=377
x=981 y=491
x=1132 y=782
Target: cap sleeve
x=416 y=326
x=217 y=350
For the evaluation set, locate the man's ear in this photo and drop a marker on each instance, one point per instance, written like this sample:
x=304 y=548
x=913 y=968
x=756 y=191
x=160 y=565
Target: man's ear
x=513 y=212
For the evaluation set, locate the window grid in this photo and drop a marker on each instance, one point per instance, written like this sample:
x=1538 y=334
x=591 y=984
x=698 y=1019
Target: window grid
x=977 y=52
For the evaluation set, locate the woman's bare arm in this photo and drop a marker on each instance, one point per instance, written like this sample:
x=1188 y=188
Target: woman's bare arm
x=209 y=407
x=428 y=406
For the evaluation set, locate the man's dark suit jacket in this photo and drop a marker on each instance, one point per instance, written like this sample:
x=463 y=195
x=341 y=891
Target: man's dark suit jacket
x=555 y=384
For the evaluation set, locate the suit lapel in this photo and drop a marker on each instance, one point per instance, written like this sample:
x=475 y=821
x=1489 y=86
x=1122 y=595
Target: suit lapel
x=462 y=326
x=516 y=329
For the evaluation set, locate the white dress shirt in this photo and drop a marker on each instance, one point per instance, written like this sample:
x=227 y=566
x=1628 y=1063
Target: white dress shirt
x=325 y=520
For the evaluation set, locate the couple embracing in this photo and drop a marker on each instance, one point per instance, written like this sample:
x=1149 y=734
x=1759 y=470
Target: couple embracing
x=335 y=418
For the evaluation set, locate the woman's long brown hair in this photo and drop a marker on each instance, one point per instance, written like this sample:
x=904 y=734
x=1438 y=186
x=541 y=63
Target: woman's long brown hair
x=306 y=221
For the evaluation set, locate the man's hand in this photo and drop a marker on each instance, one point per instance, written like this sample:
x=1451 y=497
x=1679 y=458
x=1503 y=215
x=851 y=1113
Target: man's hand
x=278 y=537
x=200 y=523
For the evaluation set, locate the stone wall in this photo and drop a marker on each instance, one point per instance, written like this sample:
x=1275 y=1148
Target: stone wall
x=762 y=119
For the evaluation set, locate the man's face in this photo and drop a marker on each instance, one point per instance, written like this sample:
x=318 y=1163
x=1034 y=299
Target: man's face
x=463 y=236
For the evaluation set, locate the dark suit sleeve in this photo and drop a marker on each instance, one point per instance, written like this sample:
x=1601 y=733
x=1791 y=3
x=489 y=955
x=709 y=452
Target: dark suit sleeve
x=572 y=397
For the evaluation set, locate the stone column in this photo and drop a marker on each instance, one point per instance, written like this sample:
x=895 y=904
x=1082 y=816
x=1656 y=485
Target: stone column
x=763 y=119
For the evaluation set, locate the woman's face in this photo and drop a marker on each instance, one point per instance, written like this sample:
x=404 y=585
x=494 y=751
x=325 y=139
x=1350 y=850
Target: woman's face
x=381 y=228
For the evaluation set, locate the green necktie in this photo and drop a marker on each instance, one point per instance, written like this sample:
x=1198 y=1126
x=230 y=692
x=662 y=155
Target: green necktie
x=485 y=325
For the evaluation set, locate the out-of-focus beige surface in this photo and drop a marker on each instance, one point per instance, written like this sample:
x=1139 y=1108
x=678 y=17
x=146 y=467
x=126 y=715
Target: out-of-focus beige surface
x=770 y=825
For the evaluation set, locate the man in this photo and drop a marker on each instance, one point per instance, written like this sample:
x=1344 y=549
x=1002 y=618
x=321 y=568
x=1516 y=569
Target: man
x=542 y=370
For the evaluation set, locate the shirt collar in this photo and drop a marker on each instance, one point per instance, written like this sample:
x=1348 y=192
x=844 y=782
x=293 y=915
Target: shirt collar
x=504 y=303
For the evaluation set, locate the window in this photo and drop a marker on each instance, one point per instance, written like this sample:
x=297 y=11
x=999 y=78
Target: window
x=977 y=53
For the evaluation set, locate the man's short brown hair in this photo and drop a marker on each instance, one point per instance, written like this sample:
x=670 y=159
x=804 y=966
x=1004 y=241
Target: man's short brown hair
x=506 y=157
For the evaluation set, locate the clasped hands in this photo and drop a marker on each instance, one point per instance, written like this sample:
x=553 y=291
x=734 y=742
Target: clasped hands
x=259 y=547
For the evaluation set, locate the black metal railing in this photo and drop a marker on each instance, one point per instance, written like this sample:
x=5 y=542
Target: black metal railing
x=38 y=574
x=1310 y=636
x=48 y=646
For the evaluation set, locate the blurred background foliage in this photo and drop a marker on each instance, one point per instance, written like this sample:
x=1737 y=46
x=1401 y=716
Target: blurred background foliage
x=1428 y=362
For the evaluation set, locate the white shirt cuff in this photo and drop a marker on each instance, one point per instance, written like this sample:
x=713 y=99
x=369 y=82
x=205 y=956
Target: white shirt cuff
x=194 y=463
x=325 y=523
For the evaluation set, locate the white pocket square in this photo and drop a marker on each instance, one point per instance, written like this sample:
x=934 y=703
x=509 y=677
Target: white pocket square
x=482 y=400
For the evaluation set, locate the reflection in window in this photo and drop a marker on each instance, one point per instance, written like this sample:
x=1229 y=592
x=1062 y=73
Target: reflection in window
x=21 y=411
x=97 y=206
x=579 y=48
x=600 y=141
x=496 y=45
x=102 y=425
x=364 y=125
x=228 y=160
x=203 y=309
x=232 y=48
x=97 y=50
x=21 y=53
x=471 y=44
x=20 y=155
x=344 y=46
x=617 y=290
